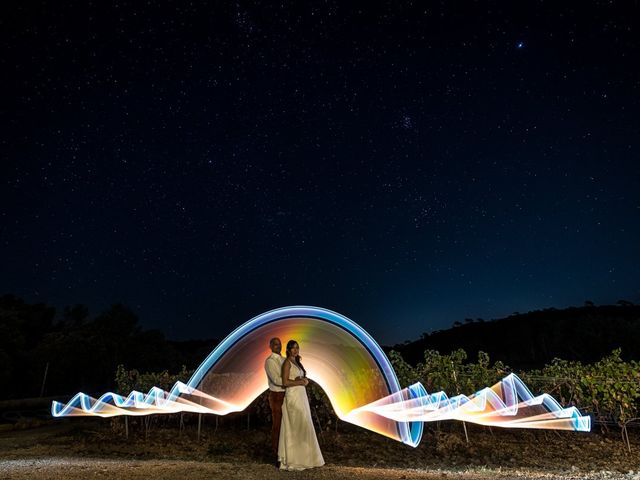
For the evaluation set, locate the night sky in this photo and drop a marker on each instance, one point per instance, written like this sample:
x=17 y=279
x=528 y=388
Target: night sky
x=407 y=165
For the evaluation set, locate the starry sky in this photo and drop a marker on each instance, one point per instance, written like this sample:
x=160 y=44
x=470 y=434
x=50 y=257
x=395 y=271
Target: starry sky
x=407 y=164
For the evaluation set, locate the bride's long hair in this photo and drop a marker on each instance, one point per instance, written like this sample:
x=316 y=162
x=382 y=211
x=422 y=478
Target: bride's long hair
x=290 y=345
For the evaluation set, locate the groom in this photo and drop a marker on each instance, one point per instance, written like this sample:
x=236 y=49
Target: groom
x=273 y=367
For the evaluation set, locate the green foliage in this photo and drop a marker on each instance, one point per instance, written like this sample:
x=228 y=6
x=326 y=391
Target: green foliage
x=449 y=373
x=609 y=388
x=129 y=380
x=407 y=375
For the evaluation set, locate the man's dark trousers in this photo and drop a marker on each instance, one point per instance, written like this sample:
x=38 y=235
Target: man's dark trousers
x=275 y=402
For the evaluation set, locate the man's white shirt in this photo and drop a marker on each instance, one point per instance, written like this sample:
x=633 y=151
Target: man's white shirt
x=273 y=367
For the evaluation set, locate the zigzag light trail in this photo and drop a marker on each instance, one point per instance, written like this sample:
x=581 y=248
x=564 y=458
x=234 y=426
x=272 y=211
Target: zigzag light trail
x=518 y=409
x=349 y=366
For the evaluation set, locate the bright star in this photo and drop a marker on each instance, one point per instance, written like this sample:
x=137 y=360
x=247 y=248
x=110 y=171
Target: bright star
x=520 y=45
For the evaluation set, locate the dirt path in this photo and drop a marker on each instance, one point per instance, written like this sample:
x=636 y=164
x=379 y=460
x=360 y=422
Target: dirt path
x=83 y=468
x=93 y=449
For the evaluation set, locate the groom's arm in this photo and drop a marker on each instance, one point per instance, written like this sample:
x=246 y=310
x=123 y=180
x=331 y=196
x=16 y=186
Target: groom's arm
x=273 y=371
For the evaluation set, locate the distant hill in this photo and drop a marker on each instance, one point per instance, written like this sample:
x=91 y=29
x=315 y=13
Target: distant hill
x=530 y=340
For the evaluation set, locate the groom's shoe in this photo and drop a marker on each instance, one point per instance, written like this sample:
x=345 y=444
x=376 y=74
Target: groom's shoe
x=277 y=464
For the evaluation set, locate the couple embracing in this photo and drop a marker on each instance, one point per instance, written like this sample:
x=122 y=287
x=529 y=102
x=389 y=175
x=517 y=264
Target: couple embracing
x=293 y=437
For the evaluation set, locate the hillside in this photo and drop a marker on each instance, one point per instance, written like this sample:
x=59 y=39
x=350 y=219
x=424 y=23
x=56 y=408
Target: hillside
x=532 y=339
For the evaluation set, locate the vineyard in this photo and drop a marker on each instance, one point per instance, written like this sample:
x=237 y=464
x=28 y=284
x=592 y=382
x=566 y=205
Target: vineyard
x=608 y=390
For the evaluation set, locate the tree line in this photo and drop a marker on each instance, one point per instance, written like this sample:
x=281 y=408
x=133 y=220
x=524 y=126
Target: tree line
x=531 y=340
x=49 y=353
x=45 y=352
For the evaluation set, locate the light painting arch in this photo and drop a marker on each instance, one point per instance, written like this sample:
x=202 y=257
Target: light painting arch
x=348 y=364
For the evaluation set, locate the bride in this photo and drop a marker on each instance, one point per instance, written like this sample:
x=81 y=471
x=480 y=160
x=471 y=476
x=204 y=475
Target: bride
x=298 y=446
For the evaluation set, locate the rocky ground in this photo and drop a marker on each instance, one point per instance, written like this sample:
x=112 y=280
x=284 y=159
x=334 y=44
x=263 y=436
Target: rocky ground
x=96 y=448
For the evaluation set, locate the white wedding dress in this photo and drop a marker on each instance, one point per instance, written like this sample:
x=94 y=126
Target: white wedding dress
x=298 y=446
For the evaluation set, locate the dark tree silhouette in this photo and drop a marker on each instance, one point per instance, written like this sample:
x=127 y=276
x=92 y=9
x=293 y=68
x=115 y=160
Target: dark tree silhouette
x=532 y=339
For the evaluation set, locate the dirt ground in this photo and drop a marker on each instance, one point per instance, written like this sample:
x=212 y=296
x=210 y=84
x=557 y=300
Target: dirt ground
x=96 y=448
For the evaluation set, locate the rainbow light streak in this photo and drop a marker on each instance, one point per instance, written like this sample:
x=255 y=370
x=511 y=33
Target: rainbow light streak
x=509 y=403
x=348 y=365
